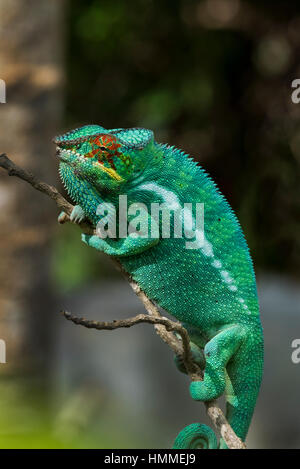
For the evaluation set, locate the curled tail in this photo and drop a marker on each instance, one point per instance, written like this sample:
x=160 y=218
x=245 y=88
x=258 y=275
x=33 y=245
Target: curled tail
x=196 y=436
x=241 y=377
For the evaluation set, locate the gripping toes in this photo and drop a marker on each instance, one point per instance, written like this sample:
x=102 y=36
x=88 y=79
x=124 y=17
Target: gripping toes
x=77 y=215
x=62 y=218
x=94 y=242
x=218 y=351
x=89 y=240
x=198 y=358
x=212 y=386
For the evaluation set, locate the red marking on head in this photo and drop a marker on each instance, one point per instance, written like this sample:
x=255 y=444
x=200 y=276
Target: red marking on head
x=106 y=146
x=107 y=141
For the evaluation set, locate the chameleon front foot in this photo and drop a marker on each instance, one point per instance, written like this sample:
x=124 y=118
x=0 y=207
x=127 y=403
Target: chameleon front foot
x=77 y=216
x=94 y=242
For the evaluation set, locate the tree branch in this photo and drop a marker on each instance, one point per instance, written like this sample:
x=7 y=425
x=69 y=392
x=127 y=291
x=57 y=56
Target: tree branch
x=168 y=325
x=164 y=327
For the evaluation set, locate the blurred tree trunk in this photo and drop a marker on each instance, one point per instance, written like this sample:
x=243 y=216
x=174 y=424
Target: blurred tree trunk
x=31 y=66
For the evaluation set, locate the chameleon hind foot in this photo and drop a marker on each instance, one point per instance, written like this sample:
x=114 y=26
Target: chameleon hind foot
x=212 y=386
x=218 y=351
x=198 y=358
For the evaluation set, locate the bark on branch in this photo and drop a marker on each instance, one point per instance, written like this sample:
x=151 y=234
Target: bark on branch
x=171 y=332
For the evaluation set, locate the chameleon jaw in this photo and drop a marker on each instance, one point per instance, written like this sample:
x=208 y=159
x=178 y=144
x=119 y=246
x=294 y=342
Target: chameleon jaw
x=110 y=171
x=61 y=155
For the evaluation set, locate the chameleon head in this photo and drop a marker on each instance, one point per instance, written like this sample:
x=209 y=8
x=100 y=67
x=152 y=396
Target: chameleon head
x=105 y=158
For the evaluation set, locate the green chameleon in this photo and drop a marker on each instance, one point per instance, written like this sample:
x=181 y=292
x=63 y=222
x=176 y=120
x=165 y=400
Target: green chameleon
x=210 y=287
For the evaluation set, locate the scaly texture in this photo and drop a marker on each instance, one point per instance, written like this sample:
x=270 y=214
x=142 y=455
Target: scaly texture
x=210 y=288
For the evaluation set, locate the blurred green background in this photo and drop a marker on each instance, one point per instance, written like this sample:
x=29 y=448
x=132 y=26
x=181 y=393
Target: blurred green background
x=212 y=77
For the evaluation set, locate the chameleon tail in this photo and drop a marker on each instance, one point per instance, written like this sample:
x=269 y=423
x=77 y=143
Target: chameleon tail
x=196 y=436
x=242 y=386
x=243 y=377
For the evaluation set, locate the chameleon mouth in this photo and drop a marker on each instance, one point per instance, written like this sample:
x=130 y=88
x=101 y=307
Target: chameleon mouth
x=65 y=155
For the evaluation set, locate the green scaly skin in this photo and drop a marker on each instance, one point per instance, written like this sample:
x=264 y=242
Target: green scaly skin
x=211 y=289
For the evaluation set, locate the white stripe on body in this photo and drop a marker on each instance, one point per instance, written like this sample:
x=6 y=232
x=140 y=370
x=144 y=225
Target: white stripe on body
x=172 y=202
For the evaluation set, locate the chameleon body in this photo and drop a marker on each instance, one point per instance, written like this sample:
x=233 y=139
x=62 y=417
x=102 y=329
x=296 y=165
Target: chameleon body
x=211 y=288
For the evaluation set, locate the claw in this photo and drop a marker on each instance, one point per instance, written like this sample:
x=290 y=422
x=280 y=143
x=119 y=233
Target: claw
x=77 y=215
x=62 y=218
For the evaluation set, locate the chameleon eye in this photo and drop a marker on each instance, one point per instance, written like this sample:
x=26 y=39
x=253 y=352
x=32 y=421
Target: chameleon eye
x=103 y=148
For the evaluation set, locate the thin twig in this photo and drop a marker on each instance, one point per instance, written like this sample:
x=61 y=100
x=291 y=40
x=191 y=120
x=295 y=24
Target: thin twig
x=180 y=348
x=164 y=327
x=212 y=408
x=51 y=191
x=120 y=323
